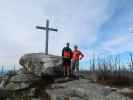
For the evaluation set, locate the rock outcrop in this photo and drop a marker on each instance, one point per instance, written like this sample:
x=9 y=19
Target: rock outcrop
x=83 y=90
x=21 y=81
x=41 y=79
x=38 y=72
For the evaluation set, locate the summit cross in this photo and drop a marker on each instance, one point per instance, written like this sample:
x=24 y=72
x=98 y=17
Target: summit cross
x=47 y=28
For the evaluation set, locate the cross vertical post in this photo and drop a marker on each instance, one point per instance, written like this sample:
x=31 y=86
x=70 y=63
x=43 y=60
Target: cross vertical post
x=47 y=37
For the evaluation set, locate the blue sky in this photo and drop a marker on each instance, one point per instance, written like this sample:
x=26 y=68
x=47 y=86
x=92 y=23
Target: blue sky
x=100 y=27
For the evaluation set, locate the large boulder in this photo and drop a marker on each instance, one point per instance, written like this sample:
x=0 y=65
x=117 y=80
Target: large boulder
x=42 y=64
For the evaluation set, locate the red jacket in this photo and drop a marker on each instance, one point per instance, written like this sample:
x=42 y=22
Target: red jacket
x=77 y=55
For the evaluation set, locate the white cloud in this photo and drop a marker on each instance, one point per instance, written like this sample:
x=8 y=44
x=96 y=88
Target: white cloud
x=116 y=45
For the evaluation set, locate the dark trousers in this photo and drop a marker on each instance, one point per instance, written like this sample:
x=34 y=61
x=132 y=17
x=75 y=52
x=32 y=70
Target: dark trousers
x=67 y=68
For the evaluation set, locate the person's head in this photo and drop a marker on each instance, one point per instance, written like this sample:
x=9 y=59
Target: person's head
x=75 y=47
x=67 y=44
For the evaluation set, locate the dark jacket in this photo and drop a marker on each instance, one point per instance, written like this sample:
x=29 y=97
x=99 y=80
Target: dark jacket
x=69 y=50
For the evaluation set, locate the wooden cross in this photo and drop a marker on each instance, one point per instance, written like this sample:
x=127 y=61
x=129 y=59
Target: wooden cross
x=47 y=33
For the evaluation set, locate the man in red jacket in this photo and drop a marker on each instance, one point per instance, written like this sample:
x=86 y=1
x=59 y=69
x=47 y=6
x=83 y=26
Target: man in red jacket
x=76 y=57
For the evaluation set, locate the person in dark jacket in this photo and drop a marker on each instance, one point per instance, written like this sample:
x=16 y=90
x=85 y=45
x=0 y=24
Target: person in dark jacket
x=67 y=56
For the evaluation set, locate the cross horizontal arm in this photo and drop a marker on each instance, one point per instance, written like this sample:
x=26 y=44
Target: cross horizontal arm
x=44 y=28
x=52 y=29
